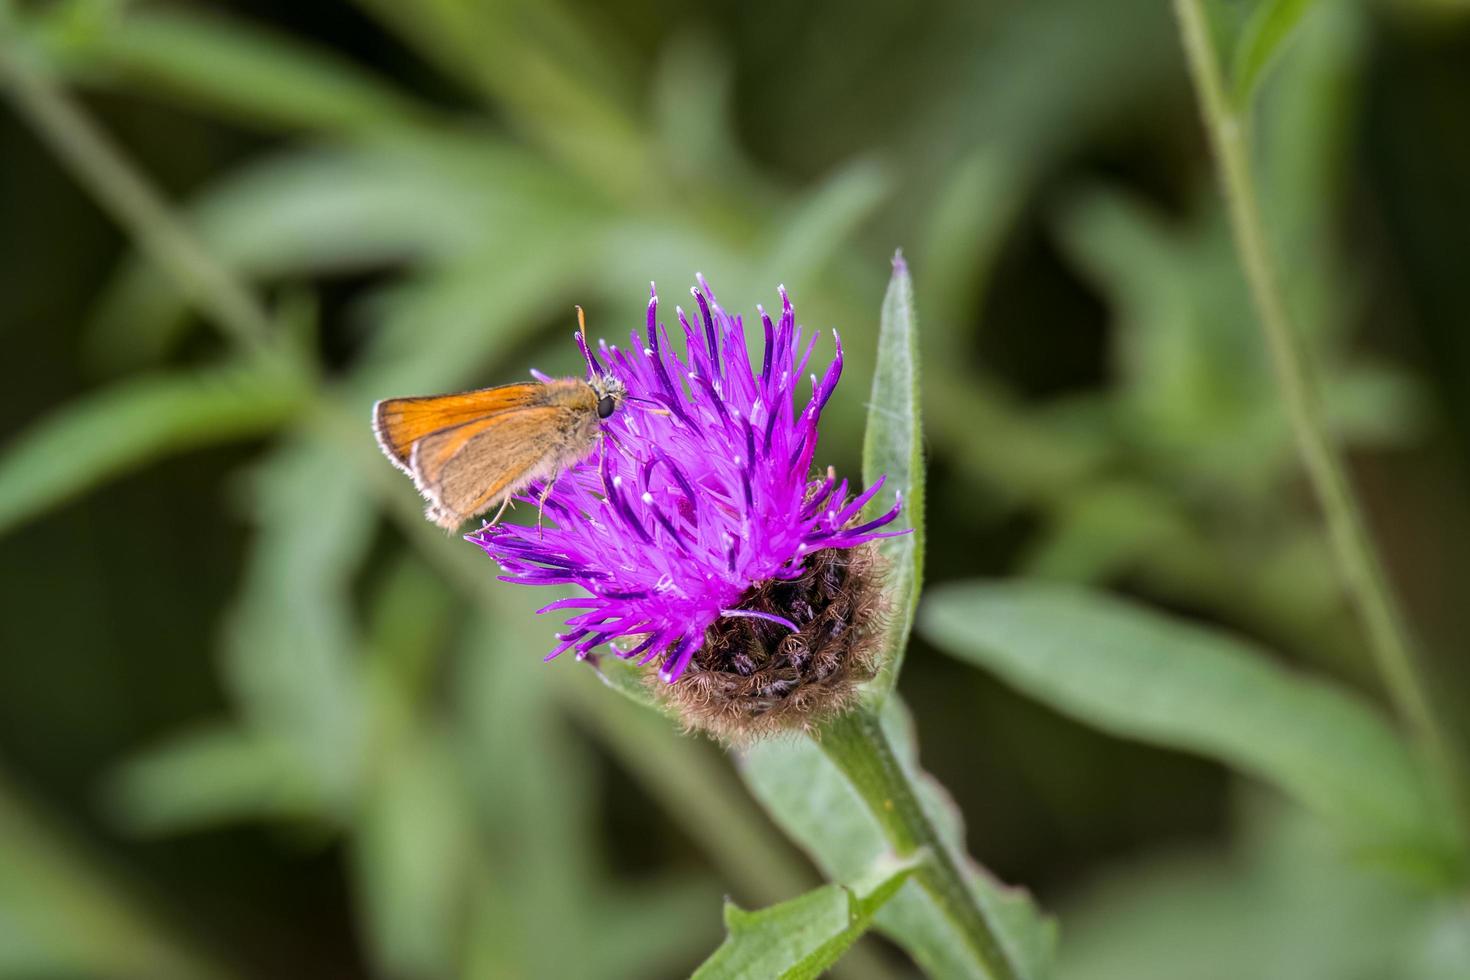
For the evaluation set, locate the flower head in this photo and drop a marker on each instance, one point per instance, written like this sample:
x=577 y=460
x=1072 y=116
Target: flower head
x=698 y=532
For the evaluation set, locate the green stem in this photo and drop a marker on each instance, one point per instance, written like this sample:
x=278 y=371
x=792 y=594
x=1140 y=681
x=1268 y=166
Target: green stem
x=1357 y=558
x=132 y=200
x=857 y=744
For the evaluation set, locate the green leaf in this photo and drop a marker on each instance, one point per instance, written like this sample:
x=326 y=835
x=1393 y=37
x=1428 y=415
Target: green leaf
x=893 y=449
x=240 y=69
x=801 y=938
x=65 y=913
x=813 y=802
x=412 y=827
x=824 y=220
x=1261 y=41
x=1283 y=881
x=692 y=93
x=482 y=213
x=209 y=777
x=1193 y=390
x=554 y=74
x=540 y=813
x=291 y=215
x=120 y=429
x=629 y=680
x=973 y=214
x=410 y=839
x=292 y=640
x=474 y=310
x=1142 y=675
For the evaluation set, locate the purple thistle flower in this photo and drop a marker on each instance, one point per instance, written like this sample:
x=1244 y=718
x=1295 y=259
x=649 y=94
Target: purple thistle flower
x=701 y=495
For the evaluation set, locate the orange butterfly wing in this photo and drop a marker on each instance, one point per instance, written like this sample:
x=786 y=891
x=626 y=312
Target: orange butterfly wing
x=401 y=422
x=469 y=468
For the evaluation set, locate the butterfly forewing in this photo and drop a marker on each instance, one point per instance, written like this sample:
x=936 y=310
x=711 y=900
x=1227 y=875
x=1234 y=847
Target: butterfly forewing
x=467 y=469
x=401 y=422
x=469 y=452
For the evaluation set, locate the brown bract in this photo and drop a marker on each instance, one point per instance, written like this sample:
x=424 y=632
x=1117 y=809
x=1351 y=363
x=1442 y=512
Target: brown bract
x=753 y=678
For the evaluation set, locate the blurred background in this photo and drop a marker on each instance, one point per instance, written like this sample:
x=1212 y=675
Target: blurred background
x=258 y=719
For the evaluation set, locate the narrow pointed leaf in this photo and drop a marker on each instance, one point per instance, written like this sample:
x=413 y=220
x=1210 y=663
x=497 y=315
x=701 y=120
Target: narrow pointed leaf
x=245 y=71
x=291 y=640
x=408 y=851
x=208 y=777
x=826 y=219
x=1142 y=675
x=1261 y=41
x=114 y=431
x=893 y=449
x=1283 y=882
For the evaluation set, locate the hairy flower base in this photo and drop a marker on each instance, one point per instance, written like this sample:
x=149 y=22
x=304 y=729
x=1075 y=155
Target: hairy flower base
x=754 y=677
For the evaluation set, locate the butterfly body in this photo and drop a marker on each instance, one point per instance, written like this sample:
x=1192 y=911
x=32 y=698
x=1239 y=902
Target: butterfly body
x=474 y=450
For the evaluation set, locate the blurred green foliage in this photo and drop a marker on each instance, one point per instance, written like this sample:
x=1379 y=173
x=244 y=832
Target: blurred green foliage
x=374 y=774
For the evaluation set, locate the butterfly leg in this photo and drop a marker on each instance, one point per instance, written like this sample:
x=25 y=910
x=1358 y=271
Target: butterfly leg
x=541 y=502
x=604 y=437
x=501 y=512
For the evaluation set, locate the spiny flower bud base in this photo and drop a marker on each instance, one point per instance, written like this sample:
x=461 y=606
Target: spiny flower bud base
x=754 y=677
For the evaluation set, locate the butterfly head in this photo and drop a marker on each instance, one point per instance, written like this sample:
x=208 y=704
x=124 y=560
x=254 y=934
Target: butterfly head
x=610 y=392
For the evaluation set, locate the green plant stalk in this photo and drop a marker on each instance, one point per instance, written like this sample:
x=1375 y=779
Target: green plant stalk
x=1357 y=558
x=138 y=206
x=856 y=744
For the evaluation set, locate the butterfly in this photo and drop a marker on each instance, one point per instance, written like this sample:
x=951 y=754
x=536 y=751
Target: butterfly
x=469 y=451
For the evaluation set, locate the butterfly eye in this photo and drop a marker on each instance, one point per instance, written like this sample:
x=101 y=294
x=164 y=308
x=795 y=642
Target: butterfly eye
x=606 y=406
